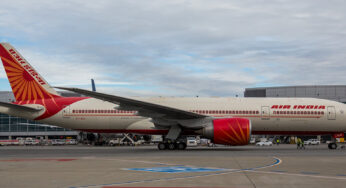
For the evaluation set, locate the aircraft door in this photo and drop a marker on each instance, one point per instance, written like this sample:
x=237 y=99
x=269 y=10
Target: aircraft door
x=331 y=113
x=66 y=111
x=265 y=113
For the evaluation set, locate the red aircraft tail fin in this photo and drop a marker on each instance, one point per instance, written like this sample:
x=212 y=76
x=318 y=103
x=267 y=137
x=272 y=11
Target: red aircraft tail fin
x=26 y=83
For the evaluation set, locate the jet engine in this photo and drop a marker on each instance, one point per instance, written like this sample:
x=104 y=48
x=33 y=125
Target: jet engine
x=228 y=131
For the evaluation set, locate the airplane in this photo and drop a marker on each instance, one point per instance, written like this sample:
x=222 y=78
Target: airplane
x=227 y=121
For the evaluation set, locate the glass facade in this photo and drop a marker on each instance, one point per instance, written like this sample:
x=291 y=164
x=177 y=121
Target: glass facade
x=17 y=124
x=12 y=127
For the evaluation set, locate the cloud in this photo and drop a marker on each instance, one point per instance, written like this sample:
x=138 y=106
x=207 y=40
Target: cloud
x=2 y=73
x=184 y=48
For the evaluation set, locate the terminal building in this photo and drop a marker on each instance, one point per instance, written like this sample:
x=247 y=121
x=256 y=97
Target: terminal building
x=12 y=127
x=335 y=93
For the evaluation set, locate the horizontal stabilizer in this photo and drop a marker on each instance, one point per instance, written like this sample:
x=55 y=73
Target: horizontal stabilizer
x=19 y=107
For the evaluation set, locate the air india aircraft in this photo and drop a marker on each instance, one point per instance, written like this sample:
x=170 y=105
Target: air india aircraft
x=228 y=121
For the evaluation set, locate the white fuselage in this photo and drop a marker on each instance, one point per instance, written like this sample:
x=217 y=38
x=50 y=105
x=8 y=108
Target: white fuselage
x=267 y=115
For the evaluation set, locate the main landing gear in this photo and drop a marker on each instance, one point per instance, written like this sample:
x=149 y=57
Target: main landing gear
x=172 y=145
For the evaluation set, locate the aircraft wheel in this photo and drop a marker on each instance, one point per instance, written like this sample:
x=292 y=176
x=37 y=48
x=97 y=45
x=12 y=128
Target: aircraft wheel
x=181 y=146
x=161 y=146
x=332 y=146
x=171 y=146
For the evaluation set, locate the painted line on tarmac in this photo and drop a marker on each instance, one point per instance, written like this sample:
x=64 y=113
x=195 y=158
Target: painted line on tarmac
x=301 y=175
x=39 y=160
x=140 y=161
x=176 y=169
x=230 y=171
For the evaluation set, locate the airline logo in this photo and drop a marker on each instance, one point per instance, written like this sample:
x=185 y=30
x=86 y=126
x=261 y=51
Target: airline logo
x=338 y=135
x=298 y=107
x=27 y=85
x=27 y=66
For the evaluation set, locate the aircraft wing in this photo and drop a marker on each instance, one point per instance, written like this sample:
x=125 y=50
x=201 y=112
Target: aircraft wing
x=19 y=107
x=145 y=109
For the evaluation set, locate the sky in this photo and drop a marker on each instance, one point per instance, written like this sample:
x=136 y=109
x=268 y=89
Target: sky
x=180 y=47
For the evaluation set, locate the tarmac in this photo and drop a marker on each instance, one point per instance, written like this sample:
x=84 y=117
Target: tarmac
x=145 y=166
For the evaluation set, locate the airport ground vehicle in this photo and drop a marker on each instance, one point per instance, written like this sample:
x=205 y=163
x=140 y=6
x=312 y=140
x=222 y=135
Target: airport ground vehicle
x=227 y=121
x=264 y=143
x=191 y=142
x=114 y=142
x=31 y=141
x=71 y=142
x=312 y=142
x=253 y=141
x=58 y=142
x=156 y=138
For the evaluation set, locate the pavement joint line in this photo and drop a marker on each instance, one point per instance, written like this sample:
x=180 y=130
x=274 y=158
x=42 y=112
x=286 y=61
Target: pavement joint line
x=278 y=161
x=278 y=171
x=309 y=172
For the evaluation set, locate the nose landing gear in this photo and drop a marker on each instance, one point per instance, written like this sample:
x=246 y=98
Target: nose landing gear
x=332 y=145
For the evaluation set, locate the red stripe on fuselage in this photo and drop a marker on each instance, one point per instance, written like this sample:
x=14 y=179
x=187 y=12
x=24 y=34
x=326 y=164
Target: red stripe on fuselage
x=138 y=131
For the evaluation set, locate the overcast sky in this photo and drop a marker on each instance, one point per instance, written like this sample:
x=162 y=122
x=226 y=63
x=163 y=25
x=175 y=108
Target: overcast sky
x=179 y=48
